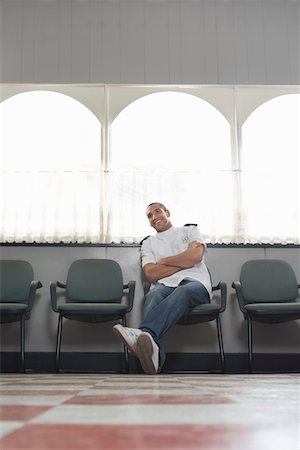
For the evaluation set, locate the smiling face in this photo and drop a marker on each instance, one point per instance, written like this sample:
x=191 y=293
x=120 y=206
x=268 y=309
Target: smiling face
x=159 y=217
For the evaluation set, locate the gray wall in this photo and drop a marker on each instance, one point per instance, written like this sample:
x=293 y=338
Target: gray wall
x=52 y=264
x=150 y=41
x=202 y=42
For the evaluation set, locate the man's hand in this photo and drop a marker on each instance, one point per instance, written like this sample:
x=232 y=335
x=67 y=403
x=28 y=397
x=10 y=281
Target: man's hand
x=186 y=259
x=194 y=244
x=156 y=271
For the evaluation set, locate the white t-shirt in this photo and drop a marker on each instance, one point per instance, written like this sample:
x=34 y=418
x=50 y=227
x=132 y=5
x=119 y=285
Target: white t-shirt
x=170 y=243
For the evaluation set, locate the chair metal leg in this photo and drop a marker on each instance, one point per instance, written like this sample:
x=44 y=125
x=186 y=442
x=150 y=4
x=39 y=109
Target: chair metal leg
x=22 y=342
x=125 y=351
x=250 y=345
x=58 y=342
x=221 y=346
x=126 y=359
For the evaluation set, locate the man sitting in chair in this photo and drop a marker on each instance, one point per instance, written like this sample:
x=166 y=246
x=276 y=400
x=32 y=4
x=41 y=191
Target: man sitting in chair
x=173 y=262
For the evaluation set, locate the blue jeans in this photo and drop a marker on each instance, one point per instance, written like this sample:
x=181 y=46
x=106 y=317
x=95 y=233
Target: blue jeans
x=164 y=306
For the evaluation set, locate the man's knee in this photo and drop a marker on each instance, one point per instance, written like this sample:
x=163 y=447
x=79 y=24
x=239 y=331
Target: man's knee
x=195 y=292
x=153 y=298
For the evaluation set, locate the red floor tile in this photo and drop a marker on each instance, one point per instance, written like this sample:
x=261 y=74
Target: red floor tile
x=147 y=399
x=45 y=392
x=147 y=437
x=266 y=407
x=21 y=412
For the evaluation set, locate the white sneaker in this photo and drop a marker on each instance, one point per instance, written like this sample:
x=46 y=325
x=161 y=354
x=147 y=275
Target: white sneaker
x=148 y=353
x=128 y=336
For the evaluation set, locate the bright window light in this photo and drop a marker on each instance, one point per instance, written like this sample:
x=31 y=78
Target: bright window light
x=171 y=146
x=175 y=148
x=170 y=131
x=270 y=171
x=44 y=130
x=50 y=169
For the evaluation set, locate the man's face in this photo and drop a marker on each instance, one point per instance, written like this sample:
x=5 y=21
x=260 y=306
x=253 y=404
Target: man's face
x=158 y=217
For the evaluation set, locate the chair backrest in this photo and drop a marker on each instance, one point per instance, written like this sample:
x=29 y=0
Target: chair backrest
x=268 y=280
x=15 y=280
x=95 y=280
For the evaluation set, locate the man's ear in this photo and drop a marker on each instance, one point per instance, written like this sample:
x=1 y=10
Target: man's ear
x=168 y=213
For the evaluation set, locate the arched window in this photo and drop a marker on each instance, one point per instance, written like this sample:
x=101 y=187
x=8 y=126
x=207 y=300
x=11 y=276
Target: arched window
x=50 y=169
x=175 y=148
x=270 y=172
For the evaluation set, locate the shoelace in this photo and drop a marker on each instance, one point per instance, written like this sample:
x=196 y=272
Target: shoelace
x=132 y=333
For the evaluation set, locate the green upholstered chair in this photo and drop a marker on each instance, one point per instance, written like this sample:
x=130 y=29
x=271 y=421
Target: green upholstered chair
x=17 y=296
x=207 y=313
x=267 y=292
x=94 y=292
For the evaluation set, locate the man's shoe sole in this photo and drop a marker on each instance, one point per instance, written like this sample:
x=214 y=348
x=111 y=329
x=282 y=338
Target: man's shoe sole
x=122 y=337
x=144 y=350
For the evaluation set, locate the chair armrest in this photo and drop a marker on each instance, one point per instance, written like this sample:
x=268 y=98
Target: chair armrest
x=53 y=293
x=239 y=295
x=34 y=285
x=130 y=294
x=221 y=286
x=146 y=287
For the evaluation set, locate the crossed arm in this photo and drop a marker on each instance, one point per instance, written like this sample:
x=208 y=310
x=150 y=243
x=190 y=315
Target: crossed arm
x=171 y=264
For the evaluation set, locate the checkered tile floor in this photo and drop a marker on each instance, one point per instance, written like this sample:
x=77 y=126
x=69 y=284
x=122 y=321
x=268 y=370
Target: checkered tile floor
x=178 y=412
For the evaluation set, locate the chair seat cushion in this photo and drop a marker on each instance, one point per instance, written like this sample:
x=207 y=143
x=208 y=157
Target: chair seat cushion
x=273 y=308
x=92 y=308
x=200 y=314
x=13 y=308
x=92 y=312
x=206 y=308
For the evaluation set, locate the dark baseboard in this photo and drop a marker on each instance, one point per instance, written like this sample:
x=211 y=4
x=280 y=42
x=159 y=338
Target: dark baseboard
x=235 y=363
x=79 y=362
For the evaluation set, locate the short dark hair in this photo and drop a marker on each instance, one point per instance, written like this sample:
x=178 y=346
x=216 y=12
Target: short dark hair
x=162 y=206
